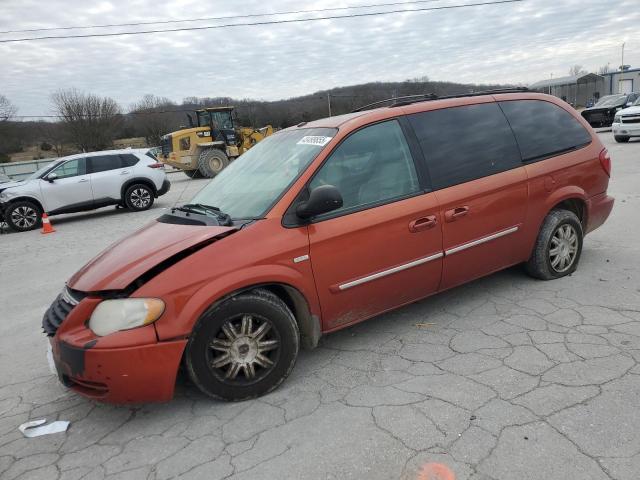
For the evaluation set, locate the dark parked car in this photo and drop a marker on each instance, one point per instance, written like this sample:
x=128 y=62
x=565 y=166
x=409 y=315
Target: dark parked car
x=602 y=113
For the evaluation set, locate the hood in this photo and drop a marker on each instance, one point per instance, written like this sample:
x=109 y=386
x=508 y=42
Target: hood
x=126 y=260
x=602 y=109
x=629 y=111
x=4 y=186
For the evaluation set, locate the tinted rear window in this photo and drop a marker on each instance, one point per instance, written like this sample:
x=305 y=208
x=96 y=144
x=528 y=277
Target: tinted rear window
x=104 y=163
x=129 y=160
x=543 y=129
x=465 y=143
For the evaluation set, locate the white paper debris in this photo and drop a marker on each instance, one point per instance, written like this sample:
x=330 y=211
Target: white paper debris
x=36 y=428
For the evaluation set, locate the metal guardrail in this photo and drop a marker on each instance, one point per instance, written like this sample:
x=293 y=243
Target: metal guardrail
x=20 y=170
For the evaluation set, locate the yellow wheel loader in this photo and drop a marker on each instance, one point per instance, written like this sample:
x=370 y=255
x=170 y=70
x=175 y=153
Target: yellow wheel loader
x=206 y=148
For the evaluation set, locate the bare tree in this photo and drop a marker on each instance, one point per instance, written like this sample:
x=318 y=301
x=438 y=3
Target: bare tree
x=53 y=133
x=604 y=69
x=7 y=109
x=89 y=122
x=153 y=117
x=577 y=70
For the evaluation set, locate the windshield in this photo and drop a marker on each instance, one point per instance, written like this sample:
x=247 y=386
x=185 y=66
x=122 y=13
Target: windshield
x=38 y=173
x=611 y=100
x=637 y=102
x=252 y=183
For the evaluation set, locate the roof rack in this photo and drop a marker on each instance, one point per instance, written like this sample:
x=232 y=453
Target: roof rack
x=409 y=99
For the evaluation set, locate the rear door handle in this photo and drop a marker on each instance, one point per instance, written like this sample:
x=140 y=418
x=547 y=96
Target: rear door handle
x=82 y=180
x=455 y=213
x=423 y=223
x=124 y=172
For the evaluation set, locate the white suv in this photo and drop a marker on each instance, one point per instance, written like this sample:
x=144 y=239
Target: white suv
x=626 y=123
x=86 y=181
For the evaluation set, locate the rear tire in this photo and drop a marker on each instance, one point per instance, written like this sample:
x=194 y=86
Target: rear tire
x=139 y=197
x=211 y=162
x=558 y=246
x=621 y=139
x=243 y=348
x=193 y=173
x=23 y=216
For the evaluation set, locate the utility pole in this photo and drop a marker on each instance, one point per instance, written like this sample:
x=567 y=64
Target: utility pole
x=621 y=67
x=329 y=102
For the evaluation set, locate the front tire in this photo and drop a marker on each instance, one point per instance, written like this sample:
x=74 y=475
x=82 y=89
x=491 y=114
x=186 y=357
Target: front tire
x=23 y=216
x=243 y=348
x=139 y=197
x=211 y=162
x=621 y=139
x=558 y=246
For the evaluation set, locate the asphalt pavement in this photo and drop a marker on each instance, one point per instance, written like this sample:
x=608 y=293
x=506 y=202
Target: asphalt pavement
x=505 y=378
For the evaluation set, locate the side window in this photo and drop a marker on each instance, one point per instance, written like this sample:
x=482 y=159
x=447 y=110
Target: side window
x=371 y=166
x=72 y=168
x=464 y=143
x=128 y=160
x=103 y=163
x=543 y=129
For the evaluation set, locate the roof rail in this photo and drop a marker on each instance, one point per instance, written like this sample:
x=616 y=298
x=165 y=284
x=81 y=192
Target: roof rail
x=409 y=99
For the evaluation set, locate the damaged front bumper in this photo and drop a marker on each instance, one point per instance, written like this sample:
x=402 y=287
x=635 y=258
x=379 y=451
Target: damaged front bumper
x=130 y=366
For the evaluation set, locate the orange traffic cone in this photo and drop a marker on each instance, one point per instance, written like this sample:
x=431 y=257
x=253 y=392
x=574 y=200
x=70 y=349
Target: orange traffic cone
x=46 y=224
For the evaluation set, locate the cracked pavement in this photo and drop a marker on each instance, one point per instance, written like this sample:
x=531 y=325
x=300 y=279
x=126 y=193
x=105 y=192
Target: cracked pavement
x=505 y=378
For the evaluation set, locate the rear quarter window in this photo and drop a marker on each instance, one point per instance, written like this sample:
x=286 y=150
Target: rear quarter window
x=464 y=143
x=129 y=160
x=544 y=129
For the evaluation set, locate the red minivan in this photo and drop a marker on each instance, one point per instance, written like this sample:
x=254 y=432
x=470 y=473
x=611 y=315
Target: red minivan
x=323 y=225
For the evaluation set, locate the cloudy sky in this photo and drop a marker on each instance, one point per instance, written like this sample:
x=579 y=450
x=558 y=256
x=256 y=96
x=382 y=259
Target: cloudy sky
x=519 y=42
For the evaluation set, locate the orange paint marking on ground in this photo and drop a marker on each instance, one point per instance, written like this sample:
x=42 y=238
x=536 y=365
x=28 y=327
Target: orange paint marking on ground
x=436 y=471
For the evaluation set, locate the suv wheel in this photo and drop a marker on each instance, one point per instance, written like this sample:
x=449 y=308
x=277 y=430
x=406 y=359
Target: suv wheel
x=244 y=347
x=558 y=247
x=211 y=162
x=23 y=216
x=621 y=139
x=138 y=197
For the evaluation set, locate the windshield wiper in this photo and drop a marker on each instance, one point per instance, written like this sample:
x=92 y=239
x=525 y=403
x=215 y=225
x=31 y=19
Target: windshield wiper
x=223 y=218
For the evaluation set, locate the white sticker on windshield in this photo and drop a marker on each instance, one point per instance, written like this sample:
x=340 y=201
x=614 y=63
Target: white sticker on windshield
x=317 y=140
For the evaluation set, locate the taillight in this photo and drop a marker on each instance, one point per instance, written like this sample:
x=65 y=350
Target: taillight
x=156 y=165
x=605 y=161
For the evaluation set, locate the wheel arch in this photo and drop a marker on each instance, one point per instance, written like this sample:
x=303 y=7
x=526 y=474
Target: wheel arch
x=576 y=205
x=25 y=198
x=308 y=323
x=132 y=181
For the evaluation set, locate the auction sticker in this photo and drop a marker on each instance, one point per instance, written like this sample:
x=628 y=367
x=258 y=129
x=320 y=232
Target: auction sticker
x=318 y=140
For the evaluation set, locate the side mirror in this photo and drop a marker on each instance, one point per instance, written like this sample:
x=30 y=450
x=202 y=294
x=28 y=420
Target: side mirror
x=322 y=199
x=51 y=177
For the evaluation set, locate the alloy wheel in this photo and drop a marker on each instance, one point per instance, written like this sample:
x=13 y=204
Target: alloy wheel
x=140 y=198
x=563 y=248
x=24 y=217
x=245 y=350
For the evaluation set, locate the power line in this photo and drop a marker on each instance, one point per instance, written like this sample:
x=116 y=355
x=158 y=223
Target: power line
x=227 y=17
x=266 y=22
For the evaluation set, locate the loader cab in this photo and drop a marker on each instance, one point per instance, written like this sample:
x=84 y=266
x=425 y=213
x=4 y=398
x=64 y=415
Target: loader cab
x=220 y=122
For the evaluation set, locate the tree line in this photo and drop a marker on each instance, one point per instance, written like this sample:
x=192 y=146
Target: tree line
x=88 y=122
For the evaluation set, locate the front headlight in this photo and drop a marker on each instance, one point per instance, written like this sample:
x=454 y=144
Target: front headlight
x=123 y=314
x=616 y=119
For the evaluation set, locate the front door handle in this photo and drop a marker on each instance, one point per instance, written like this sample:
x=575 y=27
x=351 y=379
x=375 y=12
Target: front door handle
x=124 y=172
x=455 y=213
x=423 y=223
x=82 y=180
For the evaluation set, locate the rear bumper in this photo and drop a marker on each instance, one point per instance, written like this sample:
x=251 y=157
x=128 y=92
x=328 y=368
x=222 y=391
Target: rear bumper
x=166 y=185
x=139 y=374
x=599 y=208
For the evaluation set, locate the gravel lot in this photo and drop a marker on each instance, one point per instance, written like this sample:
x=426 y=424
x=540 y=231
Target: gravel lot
x=505 y=378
